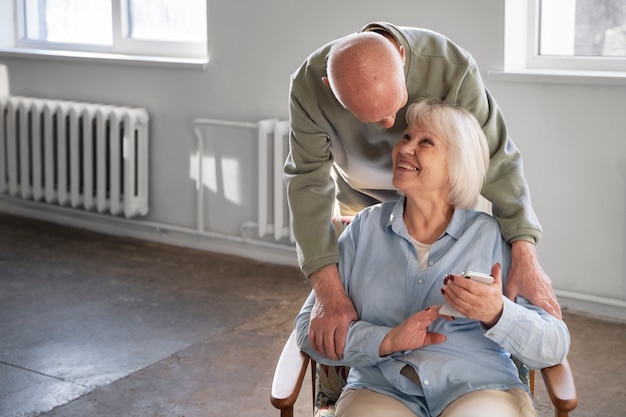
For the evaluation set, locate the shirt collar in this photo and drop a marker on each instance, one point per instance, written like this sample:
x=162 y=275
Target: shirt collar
x=396 y=221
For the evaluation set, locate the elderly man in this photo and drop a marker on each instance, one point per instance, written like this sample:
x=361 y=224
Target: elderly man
x=347 y=109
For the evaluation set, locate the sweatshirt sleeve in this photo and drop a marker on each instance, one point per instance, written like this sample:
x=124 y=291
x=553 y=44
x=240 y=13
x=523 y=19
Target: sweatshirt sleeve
x=505 y=185
x=310 y=187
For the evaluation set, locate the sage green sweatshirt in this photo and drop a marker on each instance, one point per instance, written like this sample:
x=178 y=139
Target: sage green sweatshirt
x=333 y=156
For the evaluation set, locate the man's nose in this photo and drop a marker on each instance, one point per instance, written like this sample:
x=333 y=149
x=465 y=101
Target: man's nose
x=388 y=121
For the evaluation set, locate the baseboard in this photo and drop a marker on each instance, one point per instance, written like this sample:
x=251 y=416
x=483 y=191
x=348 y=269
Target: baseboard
x=598 y=307
x=260 y=250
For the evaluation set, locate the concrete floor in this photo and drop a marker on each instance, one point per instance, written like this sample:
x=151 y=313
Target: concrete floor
x=94 y=325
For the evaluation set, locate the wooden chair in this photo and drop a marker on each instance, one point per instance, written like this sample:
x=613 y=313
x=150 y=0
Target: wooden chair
x=293 y=363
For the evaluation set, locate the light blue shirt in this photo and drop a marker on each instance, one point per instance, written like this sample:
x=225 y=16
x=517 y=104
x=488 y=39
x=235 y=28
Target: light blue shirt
x=380 y=271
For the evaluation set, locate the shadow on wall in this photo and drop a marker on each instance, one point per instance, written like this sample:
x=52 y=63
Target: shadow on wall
x=246 y=196
x=225 y=185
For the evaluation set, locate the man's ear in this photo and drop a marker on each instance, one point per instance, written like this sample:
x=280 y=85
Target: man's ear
x=325 y=81
x=402 y=53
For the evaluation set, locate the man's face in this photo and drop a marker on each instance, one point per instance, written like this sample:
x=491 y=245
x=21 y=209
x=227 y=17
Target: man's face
x=381 y=108
x=374 y=88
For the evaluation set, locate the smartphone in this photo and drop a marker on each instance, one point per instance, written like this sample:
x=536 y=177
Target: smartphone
x=478 y=277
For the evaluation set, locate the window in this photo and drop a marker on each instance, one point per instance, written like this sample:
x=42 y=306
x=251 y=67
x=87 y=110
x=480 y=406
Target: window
x=157 y=28
x=578 y=34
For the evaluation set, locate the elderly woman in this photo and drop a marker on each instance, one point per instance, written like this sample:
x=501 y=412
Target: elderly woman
x=400 y=261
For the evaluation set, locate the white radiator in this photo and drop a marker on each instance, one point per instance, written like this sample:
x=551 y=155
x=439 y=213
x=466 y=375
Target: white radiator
x=273 y=206
x=87 y=156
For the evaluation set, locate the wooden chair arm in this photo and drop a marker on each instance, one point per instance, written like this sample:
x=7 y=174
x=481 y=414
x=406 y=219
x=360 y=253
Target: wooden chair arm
x=561 y=388
x=288 y=376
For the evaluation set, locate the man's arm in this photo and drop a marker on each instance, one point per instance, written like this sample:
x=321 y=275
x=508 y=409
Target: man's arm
x=528 y=279
x=332 y=313
x=310 y=187
x=506 y=187
x=311 y=193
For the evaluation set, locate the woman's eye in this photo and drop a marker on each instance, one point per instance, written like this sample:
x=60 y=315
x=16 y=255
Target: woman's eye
x=426 y=141
x=406 y=137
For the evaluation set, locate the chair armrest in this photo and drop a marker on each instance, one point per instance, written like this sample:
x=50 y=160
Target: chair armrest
x=288 y=375
x=560 y=386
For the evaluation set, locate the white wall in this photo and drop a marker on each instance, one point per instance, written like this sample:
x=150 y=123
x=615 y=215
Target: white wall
x=569 y=134
x=573 y=139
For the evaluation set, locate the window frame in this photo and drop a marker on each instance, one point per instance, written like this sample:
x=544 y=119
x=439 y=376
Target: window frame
x=535 y=61
x=123 y=48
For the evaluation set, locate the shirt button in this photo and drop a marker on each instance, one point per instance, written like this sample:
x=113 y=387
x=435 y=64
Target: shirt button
x=421 y=280
x=425 y=382
x=431 y=263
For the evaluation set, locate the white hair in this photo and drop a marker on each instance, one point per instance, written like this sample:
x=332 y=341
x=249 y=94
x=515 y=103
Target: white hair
x=468 y=155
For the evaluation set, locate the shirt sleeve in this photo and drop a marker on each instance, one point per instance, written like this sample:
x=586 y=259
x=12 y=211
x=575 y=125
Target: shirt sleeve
x=364 y=338
x=530 y=334
x=362 y=344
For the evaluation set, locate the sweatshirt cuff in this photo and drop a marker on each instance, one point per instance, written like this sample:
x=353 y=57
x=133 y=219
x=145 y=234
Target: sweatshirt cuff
x=528 y=234
x=314 y=266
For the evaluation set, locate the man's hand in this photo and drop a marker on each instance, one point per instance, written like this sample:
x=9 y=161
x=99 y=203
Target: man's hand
x=527 y=279
x=412 y=333
x=331 y=315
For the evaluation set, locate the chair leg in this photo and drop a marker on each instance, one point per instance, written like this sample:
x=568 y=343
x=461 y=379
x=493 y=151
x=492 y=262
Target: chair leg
x=313 y=381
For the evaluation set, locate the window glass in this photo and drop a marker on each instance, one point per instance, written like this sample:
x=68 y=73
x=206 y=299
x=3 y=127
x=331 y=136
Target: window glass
x=583 y=28
x=153 y=29
x=71 y=21
x=174 y=20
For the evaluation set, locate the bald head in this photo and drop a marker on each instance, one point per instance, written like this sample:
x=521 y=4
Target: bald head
x=366 y=74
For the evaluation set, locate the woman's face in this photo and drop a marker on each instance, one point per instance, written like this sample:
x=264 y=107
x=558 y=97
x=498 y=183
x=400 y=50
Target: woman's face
x=420 y=165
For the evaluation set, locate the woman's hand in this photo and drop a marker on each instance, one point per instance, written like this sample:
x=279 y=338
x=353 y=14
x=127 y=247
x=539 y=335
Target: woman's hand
x=412 y=333
x=482 y=302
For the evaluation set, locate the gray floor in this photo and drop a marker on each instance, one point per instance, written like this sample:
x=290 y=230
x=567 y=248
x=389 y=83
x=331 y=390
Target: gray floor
x=93 y=325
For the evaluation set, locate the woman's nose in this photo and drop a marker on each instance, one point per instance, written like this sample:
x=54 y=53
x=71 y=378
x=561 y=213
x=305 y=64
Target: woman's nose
x=407 y=148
